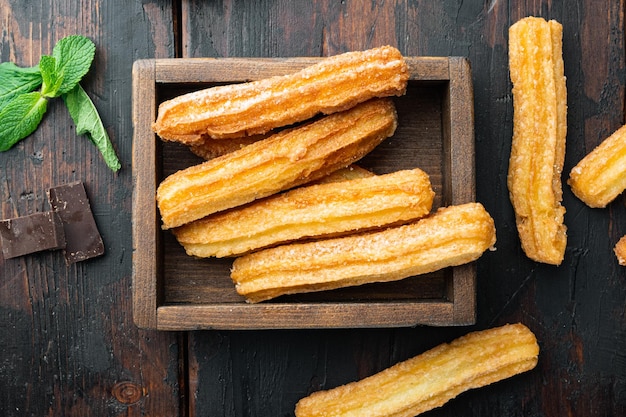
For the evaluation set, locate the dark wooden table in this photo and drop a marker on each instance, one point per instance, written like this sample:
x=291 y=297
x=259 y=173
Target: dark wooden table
x=68 y=344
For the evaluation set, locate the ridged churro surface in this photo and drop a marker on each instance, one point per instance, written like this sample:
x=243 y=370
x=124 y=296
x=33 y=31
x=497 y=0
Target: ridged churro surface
x=601 y=175
x=620 y=251
x=334 y=84
x=429 y=380
x=284 y=160
x=311 y=211
x=452 y=236
x=539 y=130
x=351 y=172
x=209 y=148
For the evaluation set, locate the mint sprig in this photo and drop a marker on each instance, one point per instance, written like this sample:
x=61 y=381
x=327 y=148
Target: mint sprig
x=73 y=56
x=20 y=117
x=22 y=107
x=85 y=116
x=15 y=80
x=51 y=78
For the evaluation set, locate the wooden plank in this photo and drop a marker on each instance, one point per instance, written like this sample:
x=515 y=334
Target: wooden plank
x=460 y=132
x=302 y=316
x=460 y=160
x=230 y=68
x=69 y=345
x=576 y=309
x=145 y=218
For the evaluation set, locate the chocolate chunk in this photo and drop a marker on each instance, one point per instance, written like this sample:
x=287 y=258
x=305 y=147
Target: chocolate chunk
x=30 y=234
x=83 y=240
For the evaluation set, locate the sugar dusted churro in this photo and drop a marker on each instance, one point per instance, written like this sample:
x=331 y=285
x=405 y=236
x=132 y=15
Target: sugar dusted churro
x=452 y=236
x=334 y=84
x=209 y=148
x=539 y=130
x=601 y=175
x=351 y=172
x=430 y=380
x=620 y=251
x=286 y=159
x=312 y=211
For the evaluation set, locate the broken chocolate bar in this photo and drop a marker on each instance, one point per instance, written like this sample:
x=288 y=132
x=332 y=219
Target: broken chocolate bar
x=83 y=240
x=29 y=234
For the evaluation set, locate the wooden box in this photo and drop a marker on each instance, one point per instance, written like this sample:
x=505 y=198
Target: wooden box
x=172 y=291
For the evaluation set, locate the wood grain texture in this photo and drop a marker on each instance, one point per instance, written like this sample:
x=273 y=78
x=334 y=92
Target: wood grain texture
x=69 y=346
x=576 y=310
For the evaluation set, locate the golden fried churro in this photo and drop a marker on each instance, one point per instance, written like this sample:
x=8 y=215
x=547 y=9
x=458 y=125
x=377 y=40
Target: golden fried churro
x=334 y=84
x=312 y=211
x=601 y=175
x=452 y=236
x=351 y=172
x=620 y=251
x=539 y=129
x=209 y=148
x=430 y=380
x=286 y=159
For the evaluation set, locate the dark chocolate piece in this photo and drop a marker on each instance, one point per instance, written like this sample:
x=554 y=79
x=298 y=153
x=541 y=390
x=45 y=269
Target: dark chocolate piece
x=83 y=240
x=29 y=234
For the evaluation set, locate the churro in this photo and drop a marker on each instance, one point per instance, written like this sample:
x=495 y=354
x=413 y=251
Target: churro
x=351 y=172
x=539 y=130
x=284 y=160
x=312 y=211
x=620 y=251
x=452 y=236
x=601 y=175
x=334 y=84
x=430 y=380
x=209 y=148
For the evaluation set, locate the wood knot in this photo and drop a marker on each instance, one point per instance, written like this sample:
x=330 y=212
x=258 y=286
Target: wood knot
x=127 y=392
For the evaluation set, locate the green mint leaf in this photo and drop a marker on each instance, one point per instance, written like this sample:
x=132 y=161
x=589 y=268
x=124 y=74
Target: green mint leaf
x=88 y=122
x=20 y=117
x=16 y=80
x=74 y=55
x=52 y=80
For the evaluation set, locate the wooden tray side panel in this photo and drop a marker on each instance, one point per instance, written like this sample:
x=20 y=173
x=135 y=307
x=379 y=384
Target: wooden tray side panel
x=462 y=187
x=202 y=70
x=303 y=316
x=461 y=133
x=146 y=285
